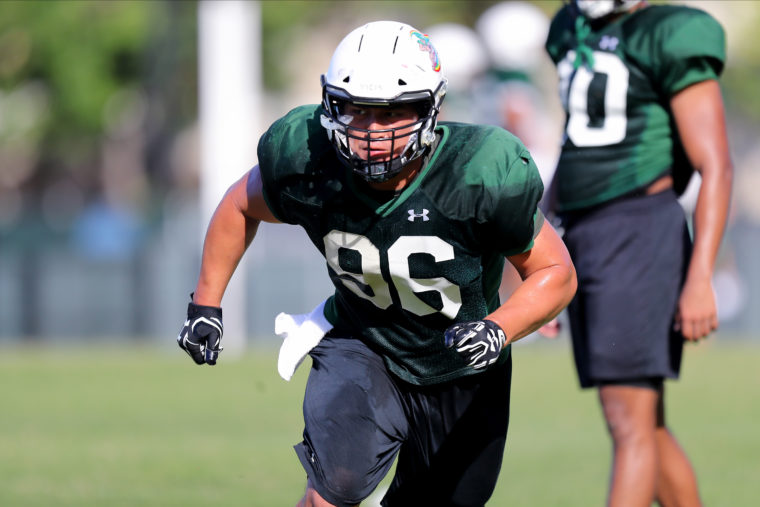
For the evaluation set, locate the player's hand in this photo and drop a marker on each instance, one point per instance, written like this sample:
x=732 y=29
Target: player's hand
x=697 y=313
x=479 y=342
x=201 y=335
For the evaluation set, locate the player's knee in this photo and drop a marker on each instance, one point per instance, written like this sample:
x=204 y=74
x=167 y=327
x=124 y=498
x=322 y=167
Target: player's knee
x=627 y=425
x=350 y=485
x=628 y=431
x=619 y=428
x=312 y=498
x=343 y=488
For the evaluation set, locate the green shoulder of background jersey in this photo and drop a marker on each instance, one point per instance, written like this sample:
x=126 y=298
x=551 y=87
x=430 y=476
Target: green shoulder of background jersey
x=616 y=82
x=406 y=266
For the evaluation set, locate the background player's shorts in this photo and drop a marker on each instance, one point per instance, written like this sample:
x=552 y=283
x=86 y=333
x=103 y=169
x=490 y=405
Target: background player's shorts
x=630 y=256
x=357 y=417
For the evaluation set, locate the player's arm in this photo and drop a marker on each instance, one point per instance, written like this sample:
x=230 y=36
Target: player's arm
x=700 y=119
x=549 y=283
x=230 y=232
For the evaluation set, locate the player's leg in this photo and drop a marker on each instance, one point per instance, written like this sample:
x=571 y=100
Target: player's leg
x=456 y=442
x=629 y=256
x=312 y=498
x=676 y=480
x=354 y=423
x=630 y=413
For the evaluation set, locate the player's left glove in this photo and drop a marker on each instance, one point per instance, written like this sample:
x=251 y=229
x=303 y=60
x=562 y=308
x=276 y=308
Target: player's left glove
x=478 y=341
x=201 y=335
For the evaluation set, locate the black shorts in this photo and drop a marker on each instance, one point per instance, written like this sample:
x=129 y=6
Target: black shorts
x=631 y=257
x=357 y=417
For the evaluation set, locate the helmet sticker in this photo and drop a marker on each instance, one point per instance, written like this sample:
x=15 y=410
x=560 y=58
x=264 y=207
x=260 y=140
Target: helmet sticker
x=425 y=45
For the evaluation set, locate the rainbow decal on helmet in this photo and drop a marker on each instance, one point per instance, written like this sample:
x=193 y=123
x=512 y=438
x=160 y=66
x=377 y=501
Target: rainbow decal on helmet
x=425 y=45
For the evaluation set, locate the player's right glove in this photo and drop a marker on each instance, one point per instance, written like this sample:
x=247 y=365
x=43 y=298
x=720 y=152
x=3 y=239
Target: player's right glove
x=201 y=335
x=479 y=342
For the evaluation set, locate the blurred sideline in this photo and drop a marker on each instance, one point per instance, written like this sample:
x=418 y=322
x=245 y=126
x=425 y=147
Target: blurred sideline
x=107 y=248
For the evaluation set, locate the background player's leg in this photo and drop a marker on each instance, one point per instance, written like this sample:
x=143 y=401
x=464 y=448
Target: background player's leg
x=630 y=413
x=676 y=480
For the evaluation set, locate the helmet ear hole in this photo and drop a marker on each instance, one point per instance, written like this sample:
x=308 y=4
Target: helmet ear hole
x=347 y=79
x=401 y=82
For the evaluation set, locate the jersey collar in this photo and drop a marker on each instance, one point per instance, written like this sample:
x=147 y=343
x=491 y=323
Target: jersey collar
x=386 y=206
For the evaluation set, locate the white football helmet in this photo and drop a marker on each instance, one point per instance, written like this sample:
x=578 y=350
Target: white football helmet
x=383 y=63
x=595 y=9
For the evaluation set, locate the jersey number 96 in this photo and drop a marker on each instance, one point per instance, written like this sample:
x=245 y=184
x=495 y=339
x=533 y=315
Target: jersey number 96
x=398 y=264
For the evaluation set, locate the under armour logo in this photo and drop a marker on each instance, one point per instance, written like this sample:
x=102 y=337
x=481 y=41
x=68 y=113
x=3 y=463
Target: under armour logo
x=608 y=42
x=423 y=215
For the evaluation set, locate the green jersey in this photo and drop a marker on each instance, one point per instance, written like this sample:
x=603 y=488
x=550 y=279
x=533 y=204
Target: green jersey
x=616 y=81
x=406 y=266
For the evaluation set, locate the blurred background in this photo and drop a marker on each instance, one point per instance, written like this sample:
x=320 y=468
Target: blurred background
x=123 y=122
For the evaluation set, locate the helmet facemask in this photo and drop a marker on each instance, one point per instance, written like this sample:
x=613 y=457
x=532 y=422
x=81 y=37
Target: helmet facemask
x=416 y=136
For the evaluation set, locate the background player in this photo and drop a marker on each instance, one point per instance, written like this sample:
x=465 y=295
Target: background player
x=644 y=109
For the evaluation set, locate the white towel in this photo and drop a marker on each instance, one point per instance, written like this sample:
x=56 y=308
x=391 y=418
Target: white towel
x=301 y=333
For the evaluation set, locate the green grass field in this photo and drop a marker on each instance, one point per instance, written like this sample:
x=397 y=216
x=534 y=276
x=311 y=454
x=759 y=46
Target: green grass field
x=135 y=426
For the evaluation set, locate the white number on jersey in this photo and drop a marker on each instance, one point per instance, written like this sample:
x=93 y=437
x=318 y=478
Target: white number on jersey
x=574 y=86
x=370 y=285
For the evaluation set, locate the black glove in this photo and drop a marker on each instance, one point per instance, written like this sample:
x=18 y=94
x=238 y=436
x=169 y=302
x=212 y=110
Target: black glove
x=201 y=335
x=478 y=341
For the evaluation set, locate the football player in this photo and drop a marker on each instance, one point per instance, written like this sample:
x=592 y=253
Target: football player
x=415 y=220
x=644 y=110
